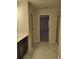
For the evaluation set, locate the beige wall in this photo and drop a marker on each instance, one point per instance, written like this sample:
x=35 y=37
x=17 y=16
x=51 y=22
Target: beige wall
x=35 y=24
x=59 y=39
x=58 y=29
x=30 y=11
x=22 y=17
x=35 y=33
x=52 y=24
x=36 y=27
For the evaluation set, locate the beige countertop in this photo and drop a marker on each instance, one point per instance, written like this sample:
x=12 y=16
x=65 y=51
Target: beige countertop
x=20 y=36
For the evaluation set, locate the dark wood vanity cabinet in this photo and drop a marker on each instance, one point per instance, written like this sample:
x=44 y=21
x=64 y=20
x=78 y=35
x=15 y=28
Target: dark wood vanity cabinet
x=22 y=47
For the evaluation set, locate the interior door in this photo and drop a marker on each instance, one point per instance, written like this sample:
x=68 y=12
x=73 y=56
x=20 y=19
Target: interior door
x=44 y=28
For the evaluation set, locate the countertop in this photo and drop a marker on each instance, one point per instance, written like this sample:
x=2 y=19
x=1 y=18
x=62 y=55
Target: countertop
x=20 y=36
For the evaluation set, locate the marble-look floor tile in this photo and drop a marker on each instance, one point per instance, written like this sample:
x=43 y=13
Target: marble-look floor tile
x=44 y=50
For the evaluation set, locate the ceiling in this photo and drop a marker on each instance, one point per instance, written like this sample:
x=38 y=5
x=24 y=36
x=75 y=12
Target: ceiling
x=46 y=3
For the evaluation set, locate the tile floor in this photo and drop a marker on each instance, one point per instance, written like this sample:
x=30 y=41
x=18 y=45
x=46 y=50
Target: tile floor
x=44 y=50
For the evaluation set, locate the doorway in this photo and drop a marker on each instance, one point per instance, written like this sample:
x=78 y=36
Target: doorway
x=44 y=27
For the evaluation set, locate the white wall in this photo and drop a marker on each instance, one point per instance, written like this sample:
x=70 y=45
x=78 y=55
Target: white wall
x=53 y=22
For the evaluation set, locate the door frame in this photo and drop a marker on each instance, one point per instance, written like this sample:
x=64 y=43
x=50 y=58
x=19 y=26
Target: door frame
x=32 y=25
x=48 y=26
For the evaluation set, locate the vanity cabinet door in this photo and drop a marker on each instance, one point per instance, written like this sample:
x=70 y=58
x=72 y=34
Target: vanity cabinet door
x=22 y=48
x=26 y=44
x=18 y=53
